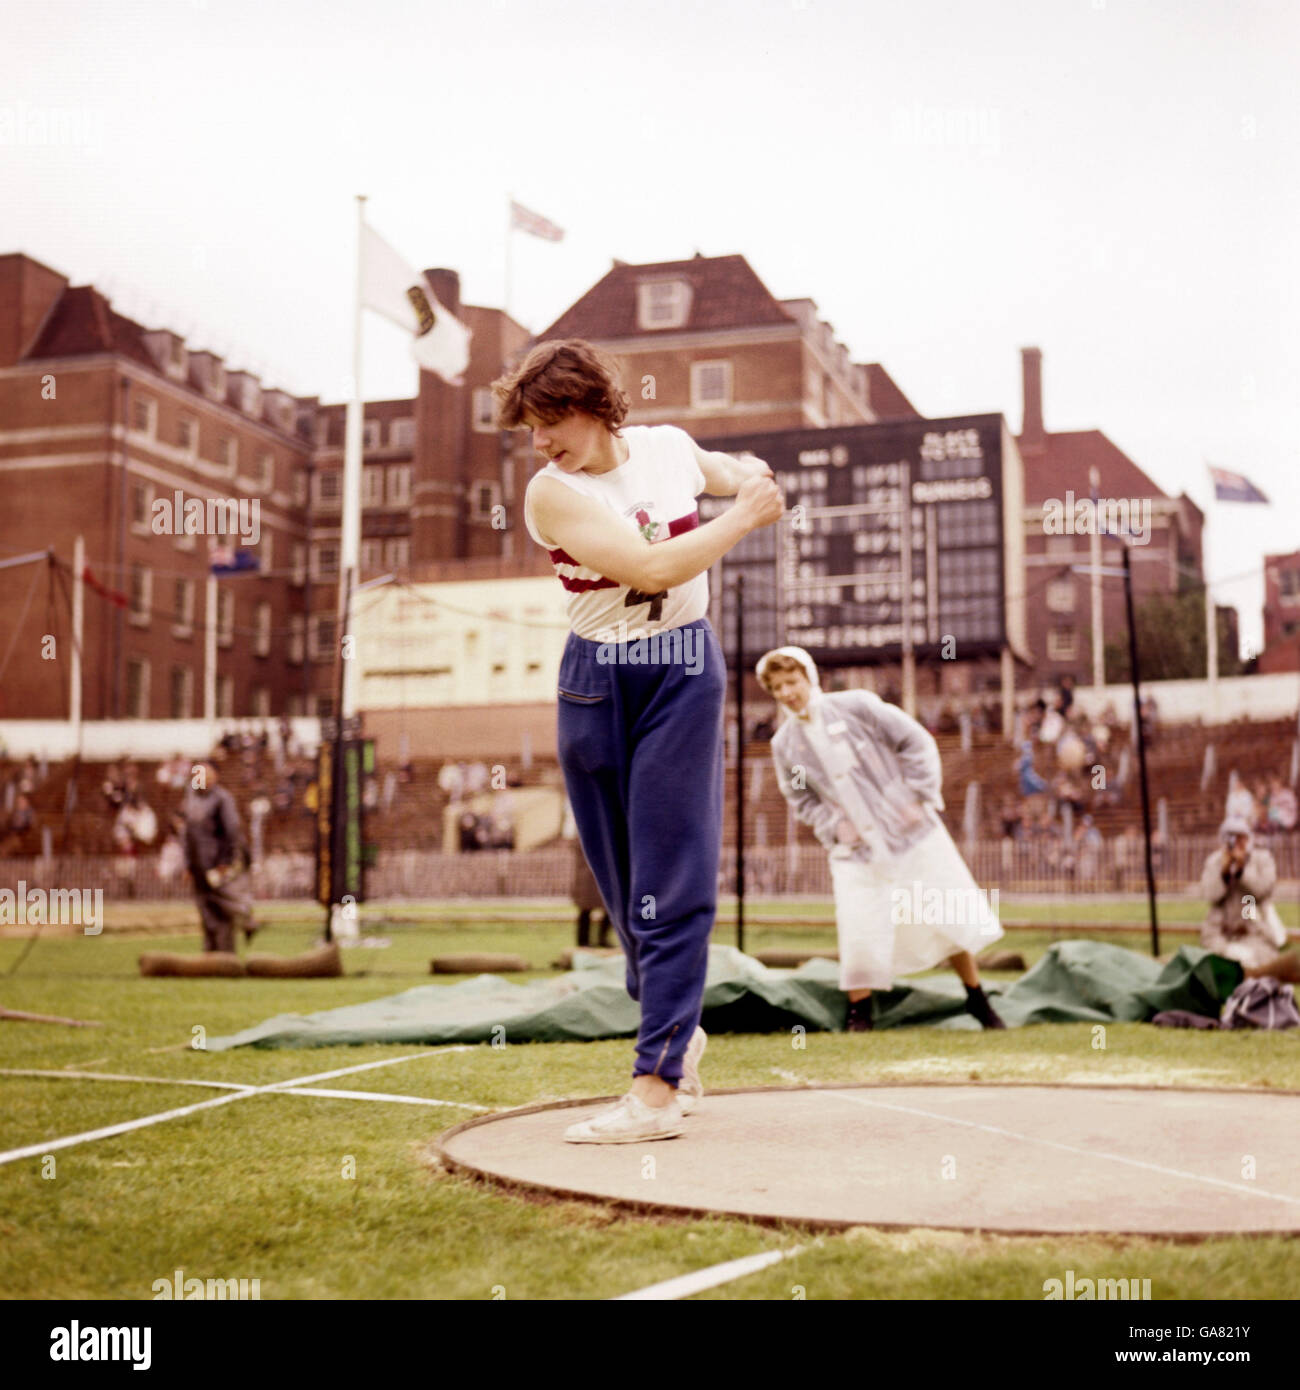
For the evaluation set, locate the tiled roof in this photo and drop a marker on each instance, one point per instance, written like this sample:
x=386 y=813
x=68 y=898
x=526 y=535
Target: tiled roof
x=725 y=293
x=83 y=323
x=887 y=401
x=1065 y=461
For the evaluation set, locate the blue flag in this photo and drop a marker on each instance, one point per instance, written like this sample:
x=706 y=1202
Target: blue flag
x=1232 y=487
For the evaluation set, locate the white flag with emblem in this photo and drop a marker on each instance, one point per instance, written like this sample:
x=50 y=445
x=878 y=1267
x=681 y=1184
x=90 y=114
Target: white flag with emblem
x=440 y=342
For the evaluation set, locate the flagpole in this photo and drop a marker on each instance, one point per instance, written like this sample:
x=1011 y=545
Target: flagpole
x=350 y=538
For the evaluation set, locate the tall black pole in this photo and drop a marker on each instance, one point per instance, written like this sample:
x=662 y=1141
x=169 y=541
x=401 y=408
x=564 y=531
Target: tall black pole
x=1142 y=749
x=740 y=762
x=337 y=790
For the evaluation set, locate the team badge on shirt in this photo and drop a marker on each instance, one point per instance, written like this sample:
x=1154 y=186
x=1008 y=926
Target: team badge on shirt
x=639 y=512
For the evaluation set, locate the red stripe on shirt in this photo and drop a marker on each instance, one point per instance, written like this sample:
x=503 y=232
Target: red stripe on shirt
x=582 y=586
x=683 y=524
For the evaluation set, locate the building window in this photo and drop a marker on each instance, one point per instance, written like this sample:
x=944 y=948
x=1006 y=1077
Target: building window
x=137 y=688
x=325 y=560
x=300 y=486
x=225 y=697
x=1060 y=596
x=1060 y=545
x=144 y=415
x=484 y=413
x=663 y=303
x=399 y=485
x=372 y=487
x=401 y=433
x=1061 y=643
x=299 y=575
x=329 y=490
x=183 y=609
x=297 y=638
x=261 y=702
x=187 y=435
x=1288 y=583
x=265 y=476
x=225 y=618
x=141 y=595
x=251 y=398
x=372 y=434
x=227 y=454
x=710 y=384
x=182 y=690
x=372 y=556
x=141 y=504
x=321 y=637
x=397 y=554
x=218 y=381
x=483 y=497
x=266 y=555
x=262 y=634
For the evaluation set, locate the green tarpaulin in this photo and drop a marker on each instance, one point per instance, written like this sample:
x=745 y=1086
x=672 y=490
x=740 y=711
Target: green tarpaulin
x=1076 y=981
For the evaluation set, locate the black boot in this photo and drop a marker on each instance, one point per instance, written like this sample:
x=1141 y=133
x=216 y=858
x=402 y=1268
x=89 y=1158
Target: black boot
x=977 y=1003
x=860 y=1018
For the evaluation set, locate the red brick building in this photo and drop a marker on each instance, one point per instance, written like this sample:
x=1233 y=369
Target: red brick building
x=102 y=421
x=1059 y=603
x=1281 y=614
x=705 y=345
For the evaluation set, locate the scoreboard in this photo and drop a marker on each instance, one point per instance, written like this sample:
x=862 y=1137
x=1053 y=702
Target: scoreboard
x=894 y=541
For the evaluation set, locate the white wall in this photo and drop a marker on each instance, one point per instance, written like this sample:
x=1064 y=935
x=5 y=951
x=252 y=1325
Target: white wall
x=1186 y=702
x=151 y=740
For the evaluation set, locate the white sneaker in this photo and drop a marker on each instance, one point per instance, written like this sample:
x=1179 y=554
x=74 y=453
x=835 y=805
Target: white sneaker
x=690 y=1090
x=628 y=1122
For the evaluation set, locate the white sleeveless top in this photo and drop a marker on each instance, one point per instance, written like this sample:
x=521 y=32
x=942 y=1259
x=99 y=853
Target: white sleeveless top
x=653 y=493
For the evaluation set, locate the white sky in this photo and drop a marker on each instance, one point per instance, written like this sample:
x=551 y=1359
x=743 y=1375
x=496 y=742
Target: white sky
x=1114 y=181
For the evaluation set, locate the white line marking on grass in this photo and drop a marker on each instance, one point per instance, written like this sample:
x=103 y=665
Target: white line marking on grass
x=113 y=1076
x=1052 y=1144
x=51 y=1145
x=687 y=1284
x=379 y=1095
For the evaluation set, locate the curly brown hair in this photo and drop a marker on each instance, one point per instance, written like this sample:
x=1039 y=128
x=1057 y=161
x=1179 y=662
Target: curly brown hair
x=556 y=379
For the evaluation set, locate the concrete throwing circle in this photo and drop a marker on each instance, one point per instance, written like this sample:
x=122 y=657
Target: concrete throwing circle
x=1018 y=1159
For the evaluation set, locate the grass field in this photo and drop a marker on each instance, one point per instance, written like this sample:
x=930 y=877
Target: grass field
x=260 y=1188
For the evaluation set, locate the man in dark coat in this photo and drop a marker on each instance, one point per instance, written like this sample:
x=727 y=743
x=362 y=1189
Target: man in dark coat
x=217 y=856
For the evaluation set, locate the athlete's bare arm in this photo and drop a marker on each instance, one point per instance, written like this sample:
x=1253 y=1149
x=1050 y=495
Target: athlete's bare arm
x=724 y=475
x=584 y=529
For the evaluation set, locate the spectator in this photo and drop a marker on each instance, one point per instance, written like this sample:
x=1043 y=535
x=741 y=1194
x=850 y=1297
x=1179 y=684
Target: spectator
x=1128 y=856
x=1240 y=804
x=1011 y=817
x=1087 y=848
x=1071 y=751
x=21 y=820
x=451 y=780
x=113 y=788
x=218 y=859
x=1282 y=808
x=1052 y=725
x=258 y=810
x=1030 y=782
x=1066 y=696
x=476 y=778
x=1150 y=713
x=1242 y=924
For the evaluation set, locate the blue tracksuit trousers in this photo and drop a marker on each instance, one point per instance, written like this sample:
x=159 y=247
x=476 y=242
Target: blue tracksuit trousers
x=640 y=742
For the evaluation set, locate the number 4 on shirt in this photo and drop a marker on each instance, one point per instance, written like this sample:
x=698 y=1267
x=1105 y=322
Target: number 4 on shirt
x=656 y=601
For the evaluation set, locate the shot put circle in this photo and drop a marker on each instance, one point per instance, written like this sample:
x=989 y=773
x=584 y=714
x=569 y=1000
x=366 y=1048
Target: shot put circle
x=1013 y=1158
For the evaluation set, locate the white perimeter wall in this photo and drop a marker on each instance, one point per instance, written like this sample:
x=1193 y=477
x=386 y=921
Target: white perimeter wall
x=150 y=740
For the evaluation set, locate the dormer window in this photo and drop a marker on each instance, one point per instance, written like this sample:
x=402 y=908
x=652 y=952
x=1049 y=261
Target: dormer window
x=663 y=303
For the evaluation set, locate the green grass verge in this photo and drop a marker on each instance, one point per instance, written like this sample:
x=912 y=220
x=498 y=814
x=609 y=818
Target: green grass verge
x=257 y=1188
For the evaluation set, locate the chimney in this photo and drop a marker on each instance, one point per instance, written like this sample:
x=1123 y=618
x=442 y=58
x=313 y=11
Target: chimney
x=28 y=292
x=1031 y=365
